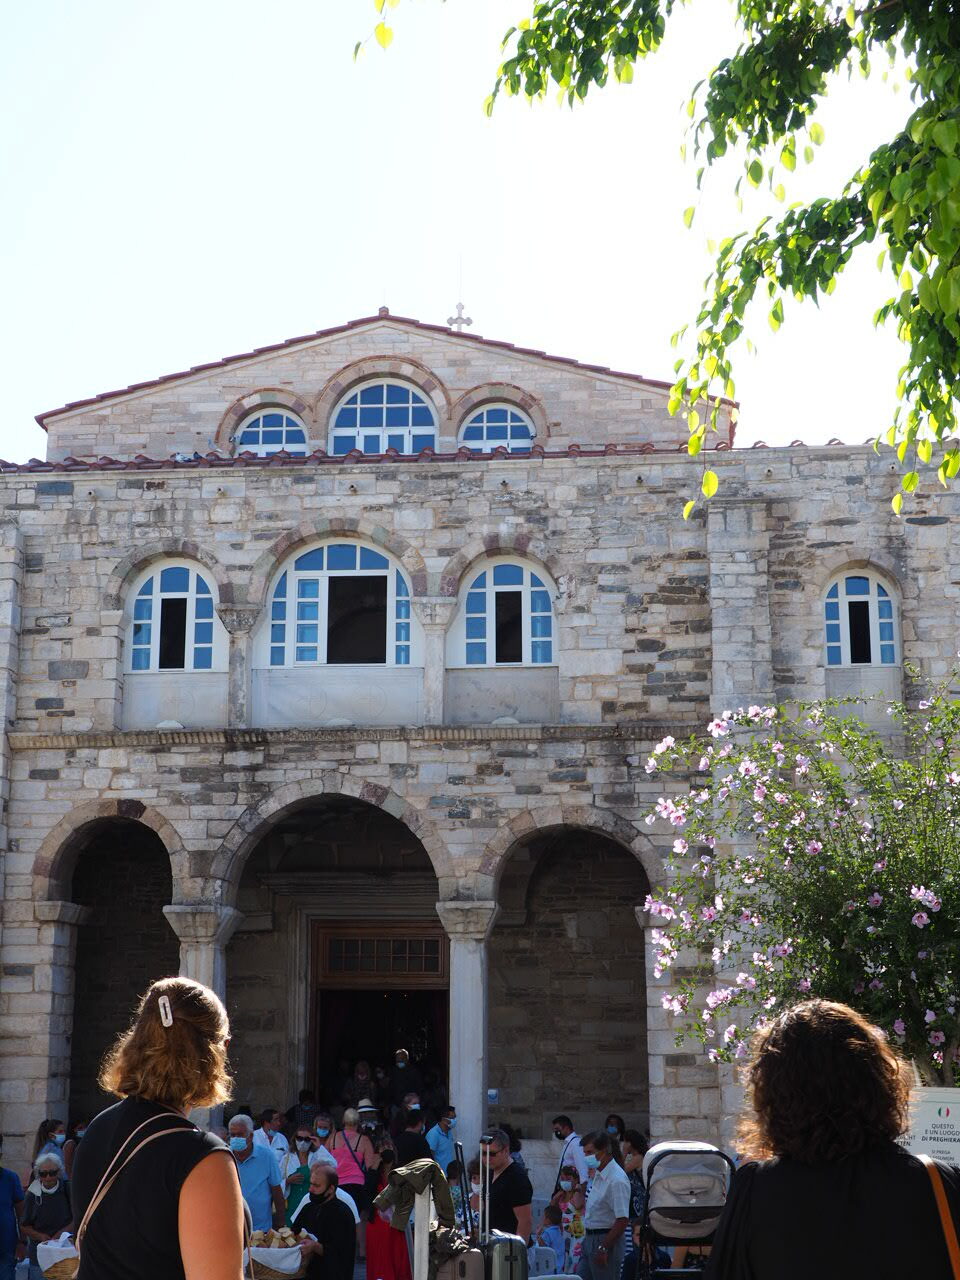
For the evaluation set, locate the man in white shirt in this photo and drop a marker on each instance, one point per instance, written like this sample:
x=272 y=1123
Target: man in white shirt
x=269 y=1135
x=607 y=1211
x=571 y=1151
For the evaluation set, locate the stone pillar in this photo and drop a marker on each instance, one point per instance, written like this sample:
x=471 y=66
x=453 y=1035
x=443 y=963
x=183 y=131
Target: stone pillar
x=204 y=932
x=435 y=614
x=11 y=582
x=239 y=623
x=738 y=544
x=468 y=926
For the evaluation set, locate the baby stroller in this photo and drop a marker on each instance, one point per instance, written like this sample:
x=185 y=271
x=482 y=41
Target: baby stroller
x=686 y=1185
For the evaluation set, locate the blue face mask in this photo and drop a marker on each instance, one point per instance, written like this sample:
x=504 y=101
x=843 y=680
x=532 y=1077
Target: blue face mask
x=237 y=1143
x=612 y=1129
x=323 y=1133
x=592 y=1162
x=80 y=1133
x=452 y=1122
x=59 y=1139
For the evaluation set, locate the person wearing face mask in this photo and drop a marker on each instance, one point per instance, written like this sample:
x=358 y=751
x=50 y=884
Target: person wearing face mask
x=615 y=1126
x=295 y=1170
x=570 y=1200
x=440 y=1137
x=259 y=1176
x=511 y=1193
x=571 y=1151
x=11 y=1209
x=269 y=1134
x=50 y=1140
x=607 y=1211
x=332 y=1254
x=71 y=1144
x=322 y=1141
x=47 y=1211
x=406 y=1077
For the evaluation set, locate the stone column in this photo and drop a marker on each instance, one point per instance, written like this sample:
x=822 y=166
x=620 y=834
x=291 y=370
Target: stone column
x=204 y=932
x=239 y=623
x=738 y=544
x=468 y=926
x=435 y=614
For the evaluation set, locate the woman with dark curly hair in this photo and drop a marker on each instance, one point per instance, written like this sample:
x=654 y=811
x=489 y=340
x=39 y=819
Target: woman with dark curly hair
x=828 y=1192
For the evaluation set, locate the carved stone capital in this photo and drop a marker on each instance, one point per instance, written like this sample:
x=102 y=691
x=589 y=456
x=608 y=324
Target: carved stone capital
x=468 y=920
x=237 y=620
x=60 y=913
x=434 y=611
x=197 y=923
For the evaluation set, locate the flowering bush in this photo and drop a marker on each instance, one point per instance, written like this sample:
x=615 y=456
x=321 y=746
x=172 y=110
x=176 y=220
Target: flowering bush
x=813 y=856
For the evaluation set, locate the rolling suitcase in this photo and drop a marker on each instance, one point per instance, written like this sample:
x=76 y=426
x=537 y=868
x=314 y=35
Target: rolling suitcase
x=504 y=1257
x=465 y=1266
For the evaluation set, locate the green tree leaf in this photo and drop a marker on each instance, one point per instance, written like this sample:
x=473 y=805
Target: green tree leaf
x=383 y=35
x=688 y=508
x=709 y=484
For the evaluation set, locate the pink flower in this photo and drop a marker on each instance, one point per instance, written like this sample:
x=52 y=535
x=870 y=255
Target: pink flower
x=900 y=1028
x=920 y=919
x=759 y=791
x=929 y=1016
x=898 y=805
x=663 y=745
x=850 y=905
x=718 y=728
x=936 y=1037
x=874 y=900
x=680 y=846
x=650 y=766
x=708 y=914
x=804 y=984
x=953 y=779
x=704 y=764
x=814 y=847
x=881 y=865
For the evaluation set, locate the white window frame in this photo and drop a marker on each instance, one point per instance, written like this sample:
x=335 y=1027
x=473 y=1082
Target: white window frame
x=268 y=450
x=220 y=642
x=295 y=576
x=384 y=432
x=487 y=446
x=457 y=636
x=872 y=600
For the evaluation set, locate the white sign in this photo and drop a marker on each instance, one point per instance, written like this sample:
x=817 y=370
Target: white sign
x=934 y=1124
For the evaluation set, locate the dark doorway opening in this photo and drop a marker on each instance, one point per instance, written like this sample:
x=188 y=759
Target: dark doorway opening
x=859 y=614
x=356 y=1024
x=357 y=620
x=509 y=624
x=173 y=634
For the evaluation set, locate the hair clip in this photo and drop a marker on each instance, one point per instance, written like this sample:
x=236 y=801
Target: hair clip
x=166 y=1013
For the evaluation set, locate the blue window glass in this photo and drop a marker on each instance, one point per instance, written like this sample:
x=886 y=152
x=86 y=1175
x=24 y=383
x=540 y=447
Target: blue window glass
x=422 y=442
x=831 y=610
x=540 y=601
x=476 y=654
x=175 y=579
x=396 y=417
x=278 y=633
x=498 y=426
x=833 y=632
x=386 y=415
x=541 y=651
x=142 y=609
x=886 y=631
x=887 y=654
x=832 y=593
x=281 y=588
x=473 y=433
x=279 y=611
x=496 y=415
x=403 y=608
x=203 y=633
x=308 y=589
x=476 y=628
x=296 y=436
x=269 y=432
x=308 y=610
x=507 y=575
x=202 y=588
x=310 y=559
x=271 y=437
x=273 y=419
x=342 y=555
x=371 y=444
x=403 y=632
x=141 y=660
x=403 y=655
x=343 y=445
x=421 y=416
x=477 y=602
x=277 y=656
x=346 y=418
x=833 y=655
x=141 y=633
x=202 y=659
x=203 y=608
x=858 y=586
x=371 y=417
x=372 y=559
x=479 y=581
x=306 y=654
x=885 y=608
x=147 y=588
x=397 y=395
x=372 y=395
x=881 y=591
x=395 y=442
x=496 y=433
x=521 y=432
x=307 y=633
x=540 y=625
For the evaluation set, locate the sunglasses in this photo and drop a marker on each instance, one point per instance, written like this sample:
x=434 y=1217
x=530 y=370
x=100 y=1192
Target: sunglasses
x=52 y=1174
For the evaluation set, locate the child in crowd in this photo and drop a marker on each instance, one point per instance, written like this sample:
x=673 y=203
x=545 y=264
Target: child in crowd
x=550 y=1234
x=570 y=1200
x=453 y=1182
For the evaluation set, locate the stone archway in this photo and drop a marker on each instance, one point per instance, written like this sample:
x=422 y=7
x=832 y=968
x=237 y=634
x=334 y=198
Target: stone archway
x=568 y=989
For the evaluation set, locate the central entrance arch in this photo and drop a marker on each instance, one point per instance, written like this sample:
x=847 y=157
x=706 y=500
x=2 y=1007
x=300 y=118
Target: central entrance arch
x=340 y=955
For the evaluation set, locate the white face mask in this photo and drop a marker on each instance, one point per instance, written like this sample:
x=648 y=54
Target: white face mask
x=475 y=1187
x=48 y=1191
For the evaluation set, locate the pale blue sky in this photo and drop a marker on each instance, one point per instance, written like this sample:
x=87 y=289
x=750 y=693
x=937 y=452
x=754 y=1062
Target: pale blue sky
x=189 y=180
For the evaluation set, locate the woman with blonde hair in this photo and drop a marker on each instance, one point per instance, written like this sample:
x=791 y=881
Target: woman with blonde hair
x=151 y=1201
x=828 y=1190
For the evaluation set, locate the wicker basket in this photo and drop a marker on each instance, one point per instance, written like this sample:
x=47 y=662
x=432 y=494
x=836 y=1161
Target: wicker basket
x=260 y=1271
x=65 y=1270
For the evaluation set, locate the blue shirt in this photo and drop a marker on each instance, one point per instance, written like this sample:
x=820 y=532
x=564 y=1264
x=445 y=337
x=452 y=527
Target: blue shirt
x=441 y=1144
x=552 y=1238
x=258 y=1174
x=11 y=1193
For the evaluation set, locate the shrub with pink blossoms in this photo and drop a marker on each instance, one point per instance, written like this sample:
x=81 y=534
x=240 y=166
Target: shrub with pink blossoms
x=816 y=857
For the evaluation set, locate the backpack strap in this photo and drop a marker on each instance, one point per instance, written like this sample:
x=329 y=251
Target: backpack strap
x=946 y=1218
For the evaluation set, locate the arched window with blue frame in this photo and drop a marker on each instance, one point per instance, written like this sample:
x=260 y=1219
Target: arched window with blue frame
x=174 y=626
x=268 y=431
x=380 y=416
x=497 y=426
x=342 y=603
x=860 y=622
x=505 y=618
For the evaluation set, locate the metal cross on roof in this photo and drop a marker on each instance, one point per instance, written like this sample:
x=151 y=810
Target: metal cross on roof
x=459 y=320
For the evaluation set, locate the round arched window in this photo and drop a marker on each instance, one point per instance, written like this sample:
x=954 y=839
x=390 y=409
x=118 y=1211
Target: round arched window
x=380 y=416
x=174 y=626
x=860 y=622
x=268 y=431
x=495 y=426
x=505 y=618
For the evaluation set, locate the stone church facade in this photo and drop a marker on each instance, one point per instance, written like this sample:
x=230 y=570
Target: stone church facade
x=329 y=672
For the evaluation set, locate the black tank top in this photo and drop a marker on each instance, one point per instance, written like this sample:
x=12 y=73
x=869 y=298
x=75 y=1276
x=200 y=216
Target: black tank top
x=133 y=1235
